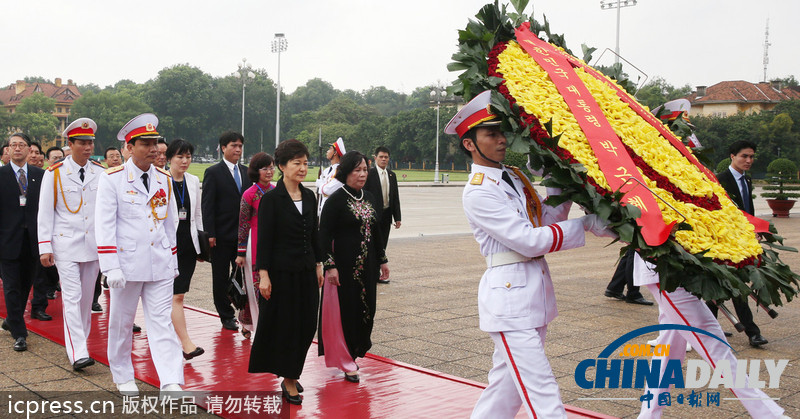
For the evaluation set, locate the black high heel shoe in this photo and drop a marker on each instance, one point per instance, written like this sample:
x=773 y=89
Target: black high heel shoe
x=289 y=398
x=300 y=388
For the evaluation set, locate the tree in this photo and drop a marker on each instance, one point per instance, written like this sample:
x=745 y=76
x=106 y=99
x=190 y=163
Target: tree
x=788 y=81
x=181 y=98
x=111 y=111
x=38 y=125
x=36 y=103
x=34 y=116
x=37 y=79
x=657 y=92
x=315 y=94
x=384 y=101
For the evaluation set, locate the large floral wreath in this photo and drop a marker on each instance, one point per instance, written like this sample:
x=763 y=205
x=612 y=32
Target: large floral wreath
x=713 y=251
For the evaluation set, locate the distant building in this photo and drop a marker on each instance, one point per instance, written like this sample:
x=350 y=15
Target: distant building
x=64 y=94
x=731 y=97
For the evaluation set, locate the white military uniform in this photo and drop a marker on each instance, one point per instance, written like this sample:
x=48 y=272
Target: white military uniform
x=516 y=299
x=135 y=232
x=327 y=184
x=66 y=229
x=681 y=307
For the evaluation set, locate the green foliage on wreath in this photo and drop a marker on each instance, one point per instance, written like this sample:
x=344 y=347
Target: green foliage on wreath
x=696 y=273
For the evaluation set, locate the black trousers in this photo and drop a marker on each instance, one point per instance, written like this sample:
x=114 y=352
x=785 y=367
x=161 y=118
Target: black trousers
x=19 y=275
x=742 y=312
x=386 y=226
x=223 y=259
x=624 y=276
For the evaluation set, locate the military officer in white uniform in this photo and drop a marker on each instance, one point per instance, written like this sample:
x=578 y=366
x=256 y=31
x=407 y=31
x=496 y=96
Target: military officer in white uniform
x=516 y=299
x=135 y=229
x=66 y=234
x=681 y=307
x=327 y=183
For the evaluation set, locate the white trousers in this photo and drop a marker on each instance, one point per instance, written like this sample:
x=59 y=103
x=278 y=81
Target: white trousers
x=681 y=307
x=77 y=292
x=521 y=375
x=165 y=349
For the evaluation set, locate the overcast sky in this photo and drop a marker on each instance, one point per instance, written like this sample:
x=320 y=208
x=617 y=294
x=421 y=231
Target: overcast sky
x=355 y=44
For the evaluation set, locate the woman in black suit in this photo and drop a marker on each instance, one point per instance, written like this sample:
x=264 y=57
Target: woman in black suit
x=289 y=262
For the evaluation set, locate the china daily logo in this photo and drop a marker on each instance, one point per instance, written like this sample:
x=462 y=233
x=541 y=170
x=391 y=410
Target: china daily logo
x=628 y=371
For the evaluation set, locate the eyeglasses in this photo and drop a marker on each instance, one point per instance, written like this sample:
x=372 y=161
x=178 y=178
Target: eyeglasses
x=268 y=169
x=18 y=145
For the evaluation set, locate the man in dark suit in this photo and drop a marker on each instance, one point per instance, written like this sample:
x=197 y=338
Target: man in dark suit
x=223 y=184
x=19 y=254
x=382 y=184
x=740 y=189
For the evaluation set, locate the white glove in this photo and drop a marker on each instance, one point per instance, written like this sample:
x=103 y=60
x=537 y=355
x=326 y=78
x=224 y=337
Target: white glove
x=597 y=226
x=115 y=279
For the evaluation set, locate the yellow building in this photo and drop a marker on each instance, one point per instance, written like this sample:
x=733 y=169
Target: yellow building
x=64 y=94
x=731 y=97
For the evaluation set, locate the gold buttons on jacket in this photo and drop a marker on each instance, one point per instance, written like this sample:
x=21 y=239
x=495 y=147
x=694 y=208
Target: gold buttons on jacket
x=508 y=285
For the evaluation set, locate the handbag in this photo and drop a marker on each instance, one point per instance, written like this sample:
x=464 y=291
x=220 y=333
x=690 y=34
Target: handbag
x=236 y=292
x=205 y=246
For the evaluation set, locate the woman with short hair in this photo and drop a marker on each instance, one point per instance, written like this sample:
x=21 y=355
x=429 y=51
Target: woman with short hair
x=260 y=171
x=351 y=240
x=289 y=262
x=186 y=188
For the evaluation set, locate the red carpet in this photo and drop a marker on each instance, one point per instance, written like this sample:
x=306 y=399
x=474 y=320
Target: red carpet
x=388 y=389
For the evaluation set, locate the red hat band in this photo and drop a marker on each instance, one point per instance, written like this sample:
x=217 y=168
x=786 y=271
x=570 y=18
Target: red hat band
x=147 y=129
x=81 y=131
x=481 y=116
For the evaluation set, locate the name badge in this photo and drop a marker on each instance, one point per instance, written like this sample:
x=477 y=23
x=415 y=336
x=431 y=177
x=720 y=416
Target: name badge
x=23 y=200
x=182 y=214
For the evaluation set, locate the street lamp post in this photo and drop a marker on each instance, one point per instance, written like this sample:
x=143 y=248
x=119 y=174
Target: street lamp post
x=436 y=94
x=245 y=73
x=279 y=44
x=605 y=5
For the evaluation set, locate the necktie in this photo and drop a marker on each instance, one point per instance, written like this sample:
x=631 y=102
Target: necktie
x=745 y=196
x=507 y=179
x=385 y=188
x=23 y=182
x=236 y=177
x=144 y=181
x=81 y=171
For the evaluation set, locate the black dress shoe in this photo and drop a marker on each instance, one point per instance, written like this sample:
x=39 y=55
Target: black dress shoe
x=5 y=325
x=758 y=340
x=612 y=294
x=639 y=300
x=354 y=378
x=41 y=315
x=96 y=308
x=230 y=324
x=136 y=328
x=20 y=345
x=296 y=399
x=51 y=295
x=82 y=363
x=300 y=388
x=728 y=334
x=383 y=281
x=196 y=352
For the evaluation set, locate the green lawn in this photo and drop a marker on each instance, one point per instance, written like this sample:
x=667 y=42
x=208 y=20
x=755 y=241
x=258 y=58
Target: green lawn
x=198 y=169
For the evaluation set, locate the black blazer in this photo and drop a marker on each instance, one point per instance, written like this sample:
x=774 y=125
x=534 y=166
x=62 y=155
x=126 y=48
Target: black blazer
x=373 y=186
x=728 y=182
x=17 y=220
x=220 y=202
x=287 y=240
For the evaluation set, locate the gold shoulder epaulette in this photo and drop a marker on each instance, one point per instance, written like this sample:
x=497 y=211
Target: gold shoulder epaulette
x=115 y=169
x=511 y=167
x=477 y=179
x=164 y=172
x=55 y=166
x=97 y=163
